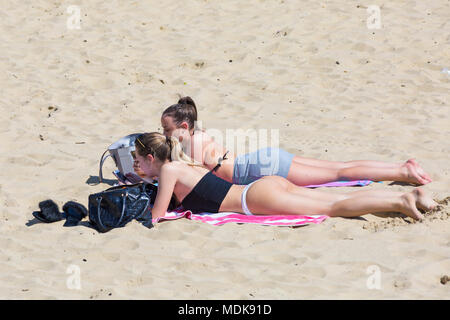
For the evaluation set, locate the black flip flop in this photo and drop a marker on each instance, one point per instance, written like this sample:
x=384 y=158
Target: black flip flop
x=49 y=212
x=75 y=212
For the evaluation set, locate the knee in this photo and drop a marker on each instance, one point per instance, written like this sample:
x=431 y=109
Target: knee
x=324 y=208
x=332 y=211
x=336 y=209
x=342 y=174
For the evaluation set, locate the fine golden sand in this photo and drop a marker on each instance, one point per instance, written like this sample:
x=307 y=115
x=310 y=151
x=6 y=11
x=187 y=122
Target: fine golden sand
x=332 y=86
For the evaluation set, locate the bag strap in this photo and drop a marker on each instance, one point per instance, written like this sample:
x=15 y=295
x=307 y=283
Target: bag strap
x=146 y=205
x=124 y=205
x=102 y=160
x=99 y=220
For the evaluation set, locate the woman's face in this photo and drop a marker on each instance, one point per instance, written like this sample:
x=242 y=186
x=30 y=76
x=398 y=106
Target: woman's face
x=144 y=164
x=136 y=167
x=171 y=129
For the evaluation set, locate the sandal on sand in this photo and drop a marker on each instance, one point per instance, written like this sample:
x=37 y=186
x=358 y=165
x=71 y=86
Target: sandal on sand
x=75 y=212
x=49 y=212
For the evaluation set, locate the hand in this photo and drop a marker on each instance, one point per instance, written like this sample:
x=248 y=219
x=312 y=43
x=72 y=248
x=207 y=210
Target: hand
x=138 y=170
x=121 y=183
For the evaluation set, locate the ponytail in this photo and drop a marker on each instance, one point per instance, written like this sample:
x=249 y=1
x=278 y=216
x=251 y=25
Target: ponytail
x=184 y=110
x=163 y=147
x=177 y=153
x=187 y=100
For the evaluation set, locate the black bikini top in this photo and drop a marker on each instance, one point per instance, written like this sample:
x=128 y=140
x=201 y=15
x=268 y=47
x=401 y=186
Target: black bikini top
x=207 y=195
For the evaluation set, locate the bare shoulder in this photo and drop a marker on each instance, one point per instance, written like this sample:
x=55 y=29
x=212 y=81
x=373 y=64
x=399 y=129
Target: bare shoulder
x=202 y=136
x=206 y=143
x=171 y=169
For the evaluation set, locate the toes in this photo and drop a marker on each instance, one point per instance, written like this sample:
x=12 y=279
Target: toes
x=424 y=201
x=419 y=170
x=414 y=174
x=420 y=180
x=423 y=174
x=417 y=215
x=423 y=181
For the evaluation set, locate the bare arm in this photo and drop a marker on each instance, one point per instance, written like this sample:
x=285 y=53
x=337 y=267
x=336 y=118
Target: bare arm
x=166 y=184
x=212 y=151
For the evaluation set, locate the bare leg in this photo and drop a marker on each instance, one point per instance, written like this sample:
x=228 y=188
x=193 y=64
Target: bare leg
x=303 y=175
x=358 y=206
x=410 y=202
x=362 y=163
x=272 y=195
x=423 y=201
x=345 y=164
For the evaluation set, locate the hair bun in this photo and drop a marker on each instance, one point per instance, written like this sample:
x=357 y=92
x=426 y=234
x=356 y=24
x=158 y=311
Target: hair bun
x=187 y=100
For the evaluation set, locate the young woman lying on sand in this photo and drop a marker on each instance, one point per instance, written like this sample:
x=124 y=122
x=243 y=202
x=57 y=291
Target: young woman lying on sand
x=199 y=190
x=179 y=119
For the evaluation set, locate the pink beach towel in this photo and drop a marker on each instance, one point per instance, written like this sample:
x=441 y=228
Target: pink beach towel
x=220 y=218
x=360 y=183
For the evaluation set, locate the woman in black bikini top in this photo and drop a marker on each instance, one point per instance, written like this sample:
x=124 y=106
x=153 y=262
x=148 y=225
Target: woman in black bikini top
x=208 y=193
x=270 y=195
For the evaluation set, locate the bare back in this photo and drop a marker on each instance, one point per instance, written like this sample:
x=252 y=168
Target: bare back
x=205 y=150
x=184 y=178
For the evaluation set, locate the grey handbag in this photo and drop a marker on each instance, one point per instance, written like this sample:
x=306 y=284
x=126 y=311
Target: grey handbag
x=121 y=152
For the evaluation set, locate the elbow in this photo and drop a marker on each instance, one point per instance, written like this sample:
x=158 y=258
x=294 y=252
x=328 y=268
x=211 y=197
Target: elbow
x=157 y=213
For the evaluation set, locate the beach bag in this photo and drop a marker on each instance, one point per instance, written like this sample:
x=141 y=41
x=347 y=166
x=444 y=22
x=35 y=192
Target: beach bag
x=116 y=206
x=121 y=152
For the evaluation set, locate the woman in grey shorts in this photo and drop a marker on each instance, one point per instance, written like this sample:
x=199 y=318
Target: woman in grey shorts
x=179 y=120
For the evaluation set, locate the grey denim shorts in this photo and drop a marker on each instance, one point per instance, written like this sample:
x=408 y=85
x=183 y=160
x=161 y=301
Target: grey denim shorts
x=250 y=167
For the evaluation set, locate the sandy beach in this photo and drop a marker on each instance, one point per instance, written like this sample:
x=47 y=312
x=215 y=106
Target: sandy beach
x=333 y=83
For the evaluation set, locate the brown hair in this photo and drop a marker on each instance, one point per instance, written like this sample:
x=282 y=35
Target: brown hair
x=162 y=147
x=184 y=110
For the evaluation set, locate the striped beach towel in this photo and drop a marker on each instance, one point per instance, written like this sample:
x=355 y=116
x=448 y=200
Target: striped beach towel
x=220 y=218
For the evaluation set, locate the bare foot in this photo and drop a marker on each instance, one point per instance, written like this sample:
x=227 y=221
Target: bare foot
x=419 y=170
x=409 y=206
x=411 y=174
x=424 y=201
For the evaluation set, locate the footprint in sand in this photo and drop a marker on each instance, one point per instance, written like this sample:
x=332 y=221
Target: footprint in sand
x=101 y=83
x=124 y=245
x=431 y=273
x=33 y=159
x=9 y=201
x=331 y=142
x=281 y=258
x=316 y=272
x=312 y=255
x=111 y=256
x=401 y=282
x=363 y=47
